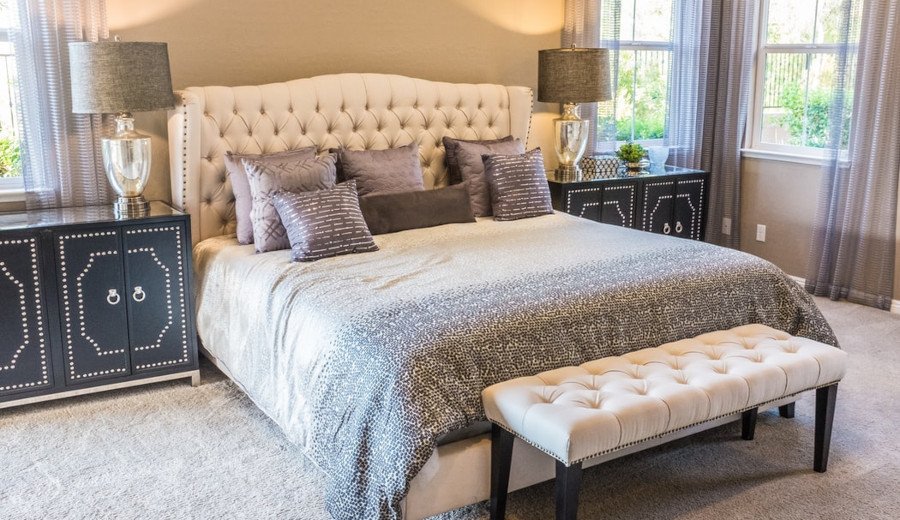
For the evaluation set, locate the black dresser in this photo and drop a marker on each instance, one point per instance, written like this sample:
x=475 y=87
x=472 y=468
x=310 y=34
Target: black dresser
x=672 y=202
x=90 y=303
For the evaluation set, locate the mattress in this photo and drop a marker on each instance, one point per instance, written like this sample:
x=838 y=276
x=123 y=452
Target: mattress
x=366 y=360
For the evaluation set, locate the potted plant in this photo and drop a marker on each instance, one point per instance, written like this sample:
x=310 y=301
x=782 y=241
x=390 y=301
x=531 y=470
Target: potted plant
x=631 y=154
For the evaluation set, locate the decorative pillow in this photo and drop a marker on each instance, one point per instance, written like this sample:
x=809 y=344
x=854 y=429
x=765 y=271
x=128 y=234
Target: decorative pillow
x=324 y=223
x=471 y=168
x=268 y=178
x=416 y=209
x=241 y=186
x=452 y=144
x=394 y=170
x=519 y=184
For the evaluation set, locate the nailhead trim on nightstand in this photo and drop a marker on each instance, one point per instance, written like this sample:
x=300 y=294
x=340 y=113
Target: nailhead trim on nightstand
x=695 y=212
x=629 y=187
x=649 y=227
x=67 y=305
x=176 y=233
x=31 y=243
x=575 y=192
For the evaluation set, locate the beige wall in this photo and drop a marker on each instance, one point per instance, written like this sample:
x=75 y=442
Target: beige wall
x=235 y=42
x=783 y=196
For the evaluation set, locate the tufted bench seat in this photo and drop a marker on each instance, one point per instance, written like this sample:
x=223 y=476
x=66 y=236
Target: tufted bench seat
x=618 y=405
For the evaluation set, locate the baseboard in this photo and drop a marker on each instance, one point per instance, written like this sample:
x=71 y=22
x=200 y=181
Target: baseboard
x=895 y=304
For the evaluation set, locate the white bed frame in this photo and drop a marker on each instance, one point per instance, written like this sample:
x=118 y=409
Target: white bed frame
x=357 y=111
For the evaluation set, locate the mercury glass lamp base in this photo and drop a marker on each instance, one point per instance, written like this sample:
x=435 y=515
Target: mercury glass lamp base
x=566 y=173
x=131 y=207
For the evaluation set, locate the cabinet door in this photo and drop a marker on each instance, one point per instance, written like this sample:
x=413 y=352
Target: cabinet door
x=24 y=348
x=658 y=206
x=689 y=198
x=156 y=284
x=618 y=203
x=92 y=305
x=583 y=200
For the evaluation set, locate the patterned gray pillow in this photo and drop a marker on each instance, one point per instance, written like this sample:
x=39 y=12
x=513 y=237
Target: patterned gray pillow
x=394 y=170
x=324 y=223
x=451 y=145
x=243 y=201
x=471 y=168
x=519 y=185
x=270 y=177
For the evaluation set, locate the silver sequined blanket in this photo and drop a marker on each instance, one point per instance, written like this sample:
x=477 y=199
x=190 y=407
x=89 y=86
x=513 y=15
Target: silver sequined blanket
x=365 y=360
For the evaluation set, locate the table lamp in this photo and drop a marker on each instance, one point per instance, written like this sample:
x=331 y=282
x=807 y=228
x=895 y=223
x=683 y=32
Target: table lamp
x=572 y=76
x=114 y=77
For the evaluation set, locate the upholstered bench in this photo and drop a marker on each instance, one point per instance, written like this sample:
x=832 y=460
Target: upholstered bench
x=619 y=405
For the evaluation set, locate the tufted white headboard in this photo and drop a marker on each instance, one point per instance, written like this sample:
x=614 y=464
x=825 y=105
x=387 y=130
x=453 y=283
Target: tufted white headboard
x=357 y=111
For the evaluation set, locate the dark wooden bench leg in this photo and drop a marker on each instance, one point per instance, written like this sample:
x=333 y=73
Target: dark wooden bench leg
x=825 y=400
x=568 y=482
x=786 y=411
x=501 y=459
x=748 y=424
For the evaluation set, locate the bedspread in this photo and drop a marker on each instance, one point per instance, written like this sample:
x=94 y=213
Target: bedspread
x=365 y=360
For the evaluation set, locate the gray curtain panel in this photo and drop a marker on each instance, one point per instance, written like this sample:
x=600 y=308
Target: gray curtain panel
x=854 y=237
x=61 y=160
x=725 y=111
x=709 y=101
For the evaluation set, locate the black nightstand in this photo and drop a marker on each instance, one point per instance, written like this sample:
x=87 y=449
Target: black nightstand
x=91 y=303
x=671 y=202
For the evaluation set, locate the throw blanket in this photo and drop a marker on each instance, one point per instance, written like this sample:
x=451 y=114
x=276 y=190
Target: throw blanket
x=365 y=360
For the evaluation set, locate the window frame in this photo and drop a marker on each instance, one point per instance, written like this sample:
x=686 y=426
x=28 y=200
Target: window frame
x=650 y=46
x=757 y=147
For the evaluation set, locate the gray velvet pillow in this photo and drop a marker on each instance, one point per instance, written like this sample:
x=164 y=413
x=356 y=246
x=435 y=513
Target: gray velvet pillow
x=519 y=185
x=471 y=168
x=394 y=170
x=451 y=144
x=324 y=223
x=243 y=201
x=268 y=178
x=392 y=212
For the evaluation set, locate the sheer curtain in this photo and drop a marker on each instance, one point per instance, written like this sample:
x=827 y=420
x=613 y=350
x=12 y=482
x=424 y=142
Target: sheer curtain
x=581 y=28
x=61 y=160
x=709 y=90
x=855 y=236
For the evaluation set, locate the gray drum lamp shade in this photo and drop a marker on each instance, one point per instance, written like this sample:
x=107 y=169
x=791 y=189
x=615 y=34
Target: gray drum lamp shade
x=573 y=75
x=111 y=77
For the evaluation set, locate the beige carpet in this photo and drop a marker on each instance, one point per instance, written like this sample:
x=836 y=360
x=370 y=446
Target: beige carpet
x=172 y=451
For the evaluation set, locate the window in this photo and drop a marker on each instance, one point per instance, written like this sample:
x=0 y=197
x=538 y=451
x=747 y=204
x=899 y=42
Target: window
x=643 y=29
x=10 y=166
x=800 y=42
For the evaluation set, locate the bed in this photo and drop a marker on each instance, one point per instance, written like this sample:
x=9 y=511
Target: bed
x=373 y=363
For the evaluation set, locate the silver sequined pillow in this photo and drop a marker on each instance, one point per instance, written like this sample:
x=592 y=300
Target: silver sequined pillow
x=324 y=223
x=267 y=178
x=518 y=184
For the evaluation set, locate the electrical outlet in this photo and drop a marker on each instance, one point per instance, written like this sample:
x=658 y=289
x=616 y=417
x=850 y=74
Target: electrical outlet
x=760 y=233
x=726 y=226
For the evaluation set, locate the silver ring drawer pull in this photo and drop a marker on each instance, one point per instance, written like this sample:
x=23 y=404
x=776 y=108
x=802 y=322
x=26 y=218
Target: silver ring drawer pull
x=139 y=294
x=667 y=228
x=113 y=297
x=678 y=227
